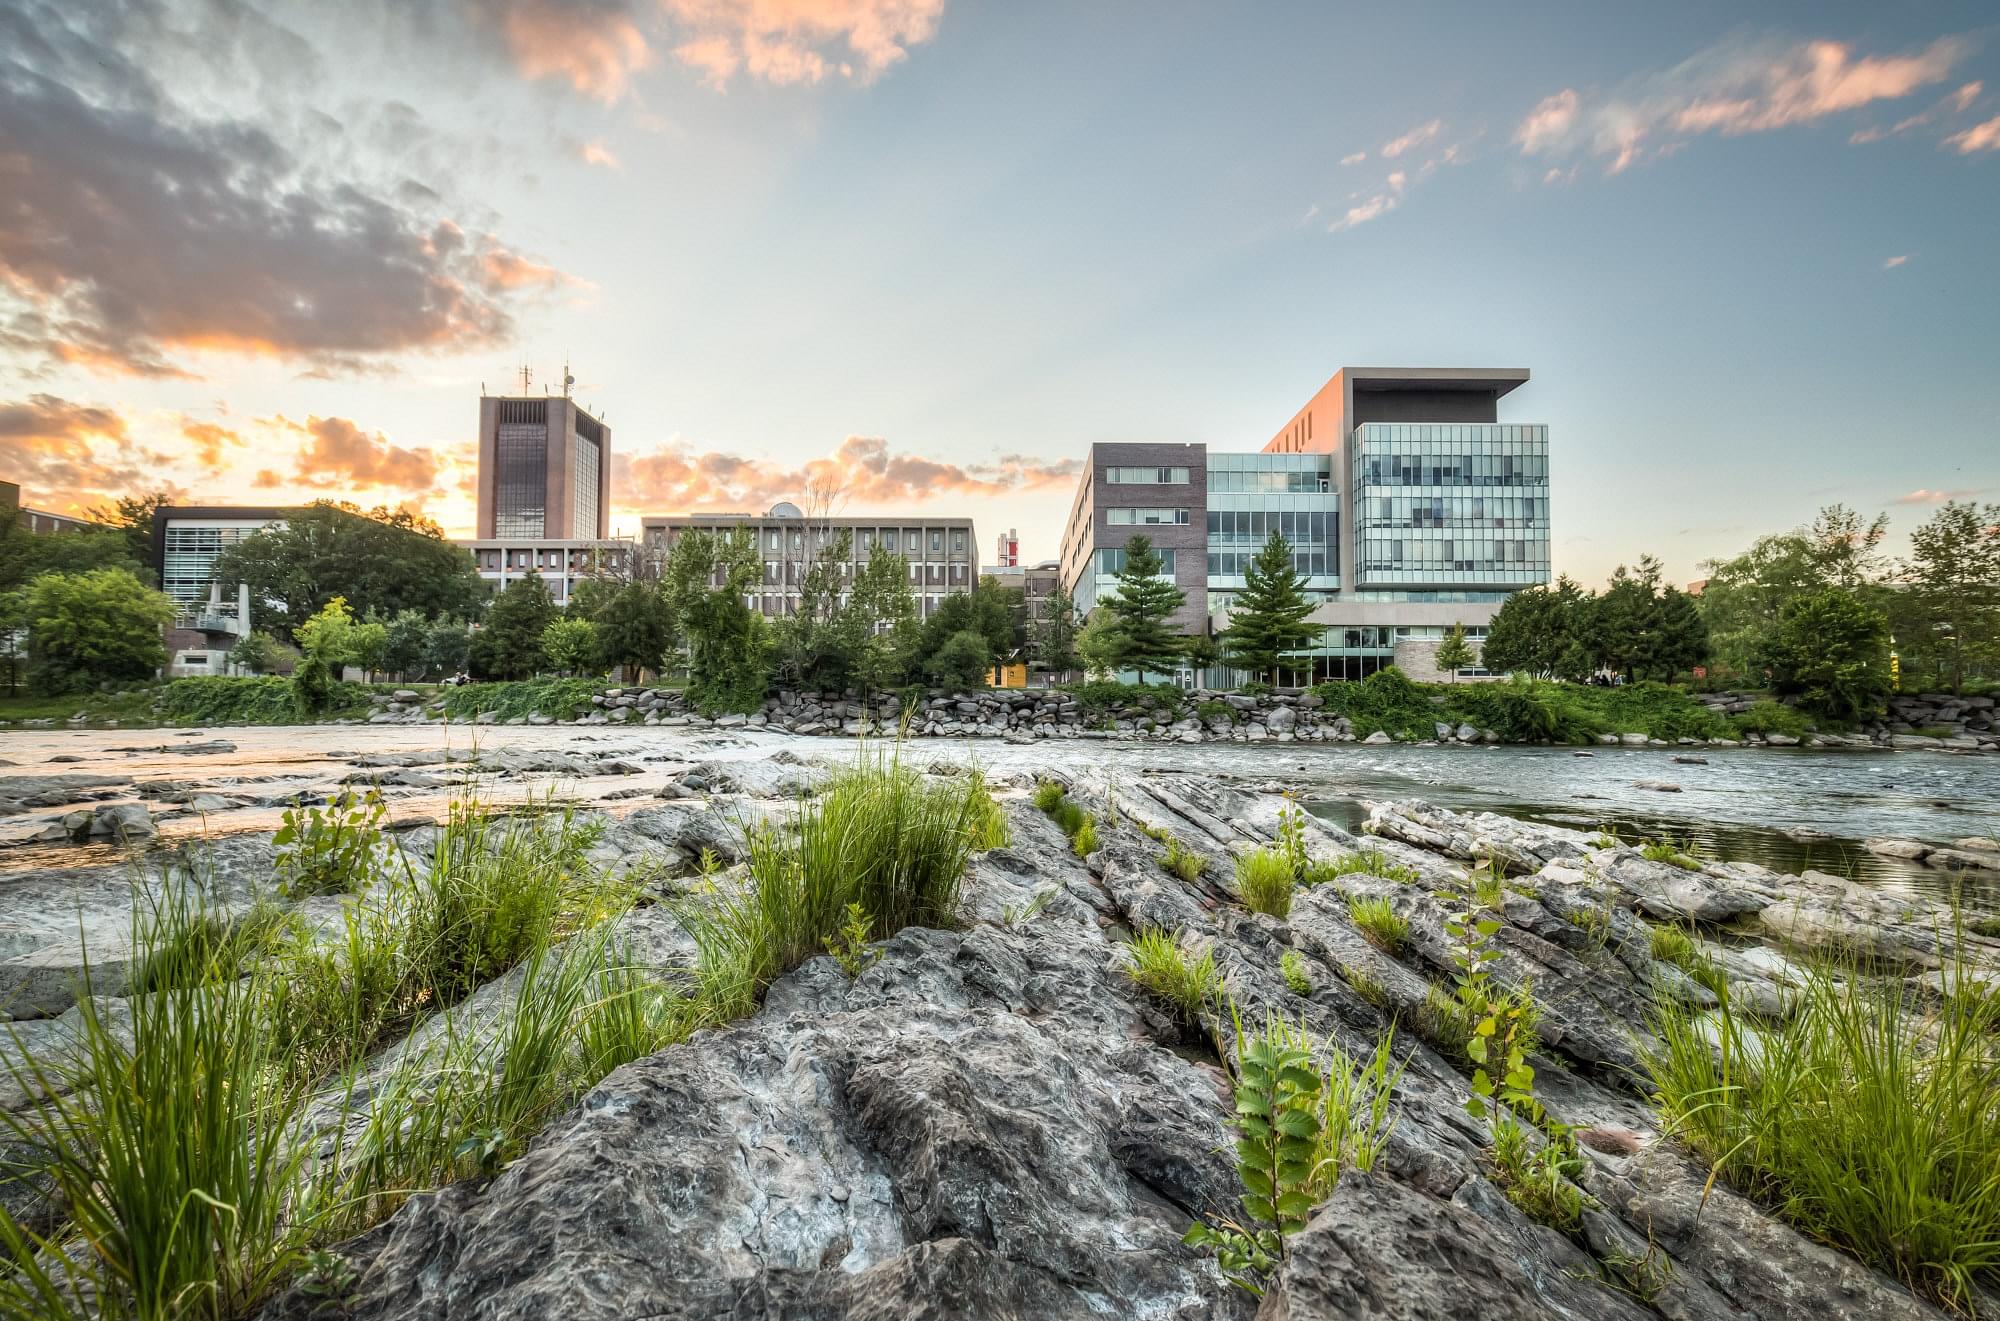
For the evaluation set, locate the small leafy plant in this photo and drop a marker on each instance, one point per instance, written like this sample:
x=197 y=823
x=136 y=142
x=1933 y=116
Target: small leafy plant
x=334 y=851
x=1292 y=967
x=849 y=945
x=1671 y=853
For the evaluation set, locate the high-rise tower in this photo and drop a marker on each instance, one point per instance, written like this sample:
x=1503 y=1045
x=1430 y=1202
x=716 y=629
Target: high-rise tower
x=544 y=469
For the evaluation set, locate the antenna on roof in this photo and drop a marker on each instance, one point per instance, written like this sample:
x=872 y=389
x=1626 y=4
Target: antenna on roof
x=524 y=378
x=568 y=380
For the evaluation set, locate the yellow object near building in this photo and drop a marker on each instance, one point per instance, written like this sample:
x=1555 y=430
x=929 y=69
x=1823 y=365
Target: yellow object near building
x=1008 y=676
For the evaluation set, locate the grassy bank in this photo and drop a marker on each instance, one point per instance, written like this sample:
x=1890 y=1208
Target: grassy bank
x=1534 y=711
x=559 y=699
x=212 y=699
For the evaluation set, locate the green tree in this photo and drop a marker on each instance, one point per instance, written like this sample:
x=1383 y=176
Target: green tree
x=1953 y=581
x=131 y=516
x=386 y=561
x=1832 y=653
x=13 y=635
x=258 y=652
x=1455 y=653
x=588 y=597
x=1744 y=597
x=446 y=646
x=882 y=599
x=1642 y=629
x=86 y=629
x=1053 y=632
x=367 y=645
x=569 y=644
x=25 y=556
x=988 y=609
x=815 y=646
x=509 y=646
x=1140 y=610
x=635 y=629
x=328 y=635
x=405 y=647
x=706 y=578
x=1539 y=631
x=962 y=662
x=1098 y=644
x=1268 y=618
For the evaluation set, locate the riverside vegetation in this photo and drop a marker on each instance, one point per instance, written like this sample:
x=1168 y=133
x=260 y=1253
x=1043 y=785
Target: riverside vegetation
x=1000 y=1073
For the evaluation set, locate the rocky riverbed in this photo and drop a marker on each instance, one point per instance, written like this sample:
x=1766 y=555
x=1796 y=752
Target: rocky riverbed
x=991 y=1121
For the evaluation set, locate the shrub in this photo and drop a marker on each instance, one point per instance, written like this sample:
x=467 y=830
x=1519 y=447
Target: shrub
x=559 y=699
x=1108 y=696
x=1214 y=710
x=1540 y=1181
x=1182 y=861
x=1048 y=796
x=1161 y=966
x=1768 y=717
x=1084 y=838
x=1292 y=967
x=330 y=852
x=1264 y=882
x=313 y=686
x=1861 y=1121
x=1379 y=922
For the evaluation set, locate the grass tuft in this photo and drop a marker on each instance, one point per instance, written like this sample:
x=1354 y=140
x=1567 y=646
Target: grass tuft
x=1264 y=882
x=1162 y=966
x=1183 y=861
x=1292 y=967
x=1860 y=1120
x=1380 y=923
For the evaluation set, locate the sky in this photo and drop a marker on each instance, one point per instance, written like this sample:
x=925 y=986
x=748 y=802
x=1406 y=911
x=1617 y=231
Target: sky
x=265 y=252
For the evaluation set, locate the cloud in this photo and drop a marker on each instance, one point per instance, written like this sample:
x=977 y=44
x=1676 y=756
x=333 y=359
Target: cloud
x=1894 y=262
x=1354 y=158
x=787 y=41
x=1416 y=137
x=678 y=479
x=338 y=455
x=1980 y=137
x=1733 y=88
x=69 y=456
x=209 y=440
x=1955 y=104
x=136 y=231
x=595 y=46
x=596 y=153
x=1924 y=496
x=1378 y=204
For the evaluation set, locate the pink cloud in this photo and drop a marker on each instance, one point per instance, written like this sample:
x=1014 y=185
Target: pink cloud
x=596 y=153
x=1924 y=496
x=1416 y=137
x=594 y=47
x=1730 y=89
x=799 y=41
x=1980 y=137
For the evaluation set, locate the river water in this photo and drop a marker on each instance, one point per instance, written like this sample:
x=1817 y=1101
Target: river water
x=1787 y=808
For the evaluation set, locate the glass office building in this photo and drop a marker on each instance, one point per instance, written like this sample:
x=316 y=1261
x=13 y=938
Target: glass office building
x=1443 y=505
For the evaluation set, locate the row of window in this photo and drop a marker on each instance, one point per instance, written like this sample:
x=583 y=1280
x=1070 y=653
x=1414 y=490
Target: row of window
x=1146 y=476
x=1236 y=563
x=1112 y=561
x=1452 y=510
x=1459 y=551
x=1237 y=482
x=1146 y=517
x=1452 y=438
x=904 y=541
x=1301 y=527
x=1452 y=470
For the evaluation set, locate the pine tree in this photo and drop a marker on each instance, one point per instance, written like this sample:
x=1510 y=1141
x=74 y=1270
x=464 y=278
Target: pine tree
x=1140 y=609
x=1267 y=621
x=1454 y=653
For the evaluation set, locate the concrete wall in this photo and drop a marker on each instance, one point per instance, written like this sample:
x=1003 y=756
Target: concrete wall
x=1417 y=658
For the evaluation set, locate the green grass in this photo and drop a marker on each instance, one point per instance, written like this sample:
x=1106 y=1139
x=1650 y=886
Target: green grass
x=1862 y=1121
x=1674 y=855
x=877 y=834
x=1162 y=967
x=206 y=699
x=1367 y=862
x=1365 y=984
x=1678 y=945
x=1538 y=1181
x=1984 y=926
x=1520 y=710
x=1265 y=881
x=1183 y=861
x=1379 y=922
x=559 y=699
x=1292 y=967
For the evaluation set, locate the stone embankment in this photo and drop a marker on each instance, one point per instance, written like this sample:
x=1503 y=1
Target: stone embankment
x=991 y=1121
x=1956 y=724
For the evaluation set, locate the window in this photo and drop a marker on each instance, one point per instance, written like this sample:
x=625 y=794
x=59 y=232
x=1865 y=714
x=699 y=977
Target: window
x=1112 y=560
x=958 y=540
x=937 y=540
x=1146 y=476
x=1117 y=517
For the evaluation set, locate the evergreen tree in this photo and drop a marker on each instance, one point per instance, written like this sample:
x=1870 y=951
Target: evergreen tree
x=1140 y=608
x=1053 y=633
x=1533 y=630
x=1267 y=620
x=510 y=644
x=1454 y=653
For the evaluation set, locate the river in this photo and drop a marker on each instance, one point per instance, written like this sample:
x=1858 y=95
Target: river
x=1787 y=808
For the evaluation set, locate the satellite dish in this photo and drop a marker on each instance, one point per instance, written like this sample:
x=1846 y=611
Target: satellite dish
x=786 y=509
